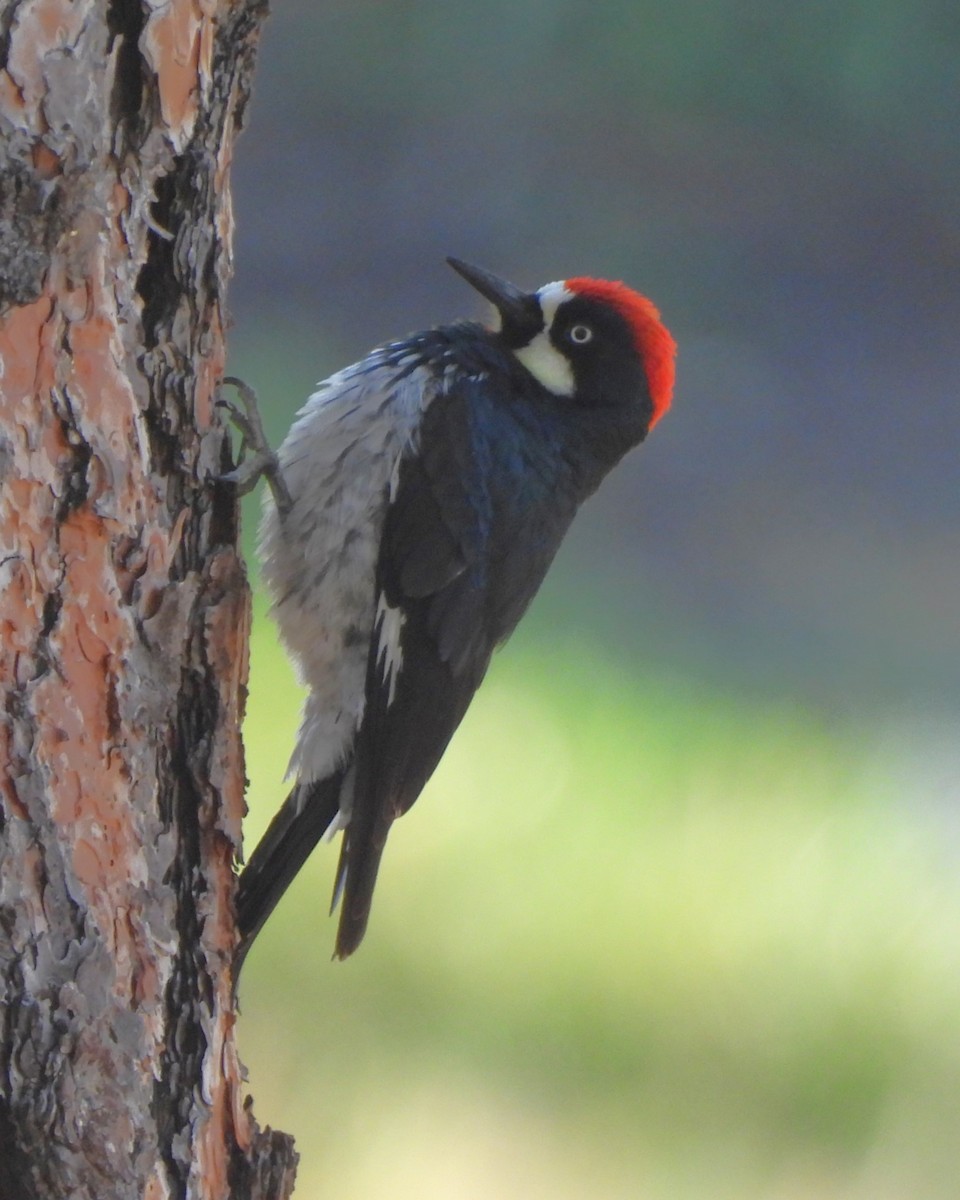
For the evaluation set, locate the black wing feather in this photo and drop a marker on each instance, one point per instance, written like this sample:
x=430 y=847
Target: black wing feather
x=427 y=569
x=479 y=509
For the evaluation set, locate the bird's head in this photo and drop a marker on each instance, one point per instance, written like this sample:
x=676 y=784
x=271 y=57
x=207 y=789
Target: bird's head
x=596 y=342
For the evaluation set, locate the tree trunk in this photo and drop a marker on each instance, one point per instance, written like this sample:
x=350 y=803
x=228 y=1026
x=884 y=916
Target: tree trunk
x=124 y=607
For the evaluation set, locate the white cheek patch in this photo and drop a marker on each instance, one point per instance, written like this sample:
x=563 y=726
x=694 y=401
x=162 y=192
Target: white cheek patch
x=540 y=356
x=389 y=623
x=547 y=365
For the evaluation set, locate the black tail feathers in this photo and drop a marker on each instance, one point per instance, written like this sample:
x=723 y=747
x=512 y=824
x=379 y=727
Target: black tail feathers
x=284 y=848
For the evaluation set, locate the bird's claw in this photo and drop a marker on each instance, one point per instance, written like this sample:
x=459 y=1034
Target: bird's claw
x=256 y=458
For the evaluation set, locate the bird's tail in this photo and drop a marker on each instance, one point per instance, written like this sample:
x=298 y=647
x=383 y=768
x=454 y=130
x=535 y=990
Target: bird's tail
x=306 y=815
x=356 y=876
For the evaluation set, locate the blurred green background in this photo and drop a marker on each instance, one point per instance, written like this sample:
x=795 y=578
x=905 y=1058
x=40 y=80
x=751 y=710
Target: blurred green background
x=679 y=915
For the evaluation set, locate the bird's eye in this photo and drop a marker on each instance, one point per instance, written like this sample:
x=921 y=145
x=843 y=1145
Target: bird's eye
x=581 y=334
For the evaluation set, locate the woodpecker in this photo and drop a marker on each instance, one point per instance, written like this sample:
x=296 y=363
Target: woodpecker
x=417 y=503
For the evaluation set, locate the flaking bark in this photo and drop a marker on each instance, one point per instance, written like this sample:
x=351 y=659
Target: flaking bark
x=124 y=608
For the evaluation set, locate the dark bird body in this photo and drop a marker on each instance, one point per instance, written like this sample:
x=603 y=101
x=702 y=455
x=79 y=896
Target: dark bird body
x=431 y=485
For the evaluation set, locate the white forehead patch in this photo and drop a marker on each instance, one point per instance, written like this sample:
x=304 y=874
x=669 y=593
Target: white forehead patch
x=551 y=296
x=540 y=356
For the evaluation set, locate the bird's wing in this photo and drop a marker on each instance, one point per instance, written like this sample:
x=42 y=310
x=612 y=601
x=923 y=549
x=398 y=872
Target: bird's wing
x=431 y=645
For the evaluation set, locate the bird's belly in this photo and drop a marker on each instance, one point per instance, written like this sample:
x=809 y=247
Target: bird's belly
x=319 y=561
x=326 y=621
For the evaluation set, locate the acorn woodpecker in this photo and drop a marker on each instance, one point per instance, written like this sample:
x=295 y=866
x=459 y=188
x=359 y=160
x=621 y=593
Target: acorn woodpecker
x=418 y=500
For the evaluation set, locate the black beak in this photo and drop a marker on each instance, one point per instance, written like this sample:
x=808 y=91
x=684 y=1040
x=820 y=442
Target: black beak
x=520 y=311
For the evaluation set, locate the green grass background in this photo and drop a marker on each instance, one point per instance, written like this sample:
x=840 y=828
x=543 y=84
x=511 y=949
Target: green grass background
x=678 y=918
x=636 y=939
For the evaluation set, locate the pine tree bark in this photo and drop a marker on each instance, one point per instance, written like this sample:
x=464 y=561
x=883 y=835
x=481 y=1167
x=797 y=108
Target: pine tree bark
x=124 y=607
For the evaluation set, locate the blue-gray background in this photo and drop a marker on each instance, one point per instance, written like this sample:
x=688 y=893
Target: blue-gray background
x=783 y=181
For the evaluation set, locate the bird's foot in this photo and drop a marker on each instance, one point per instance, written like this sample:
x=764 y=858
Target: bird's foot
x=256 y=459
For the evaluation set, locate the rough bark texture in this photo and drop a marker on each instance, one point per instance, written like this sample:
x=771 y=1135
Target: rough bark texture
x=124 y=608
